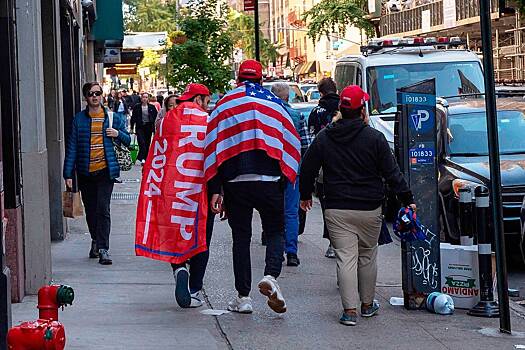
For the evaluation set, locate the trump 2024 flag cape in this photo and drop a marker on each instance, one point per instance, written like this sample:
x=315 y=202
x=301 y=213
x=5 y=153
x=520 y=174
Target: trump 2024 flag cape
x=172 y=205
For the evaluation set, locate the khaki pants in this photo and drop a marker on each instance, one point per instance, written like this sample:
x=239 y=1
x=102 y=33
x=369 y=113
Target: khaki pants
x=354 y=236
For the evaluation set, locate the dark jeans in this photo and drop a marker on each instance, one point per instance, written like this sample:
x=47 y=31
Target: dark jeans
x=319 y=188
x=240 y=198
x=96 y=190
x=144 y=134
x=199 y=262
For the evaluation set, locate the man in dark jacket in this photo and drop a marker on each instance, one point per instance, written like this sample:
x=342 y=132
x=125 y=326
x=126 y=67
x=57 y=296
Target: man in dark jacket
x=355 y=159
x=319 y=118
x=143 y=117
x=323 y=113
x=251 y=179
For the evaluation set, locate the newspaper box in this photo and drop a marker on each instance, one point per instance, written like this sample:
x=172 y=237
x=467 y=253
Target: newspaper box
x=459 y=274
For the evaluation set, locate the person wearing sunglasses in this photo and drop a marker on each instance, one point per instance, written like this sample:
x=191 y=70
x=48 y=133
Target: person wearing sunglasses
x=90 y=152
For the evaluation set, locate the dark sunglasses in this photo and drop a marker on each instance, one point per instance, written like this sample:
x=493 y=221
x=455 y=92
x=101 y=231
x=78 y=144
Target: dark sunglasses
x=94 y=93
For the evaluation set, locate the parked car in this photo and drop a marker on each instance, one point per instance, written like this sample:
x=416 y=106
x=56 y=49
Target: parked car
x=306 y=87
x=304 y=108
x=522 y=222
x=463 y=158
x=296 y=94
x=313 y=95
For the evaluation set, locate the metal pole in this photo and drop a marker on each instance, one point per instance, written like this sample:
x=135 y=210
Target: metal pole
x=494 y=161
x=465 y=216
x=256 y=28
x=486 y=307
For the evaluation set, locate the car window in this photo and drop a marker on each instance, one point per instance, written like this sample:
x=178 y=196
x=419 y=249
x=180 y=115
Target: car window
x=466 y=127
x=452 y=79
x=296 y=94
x=344 y=76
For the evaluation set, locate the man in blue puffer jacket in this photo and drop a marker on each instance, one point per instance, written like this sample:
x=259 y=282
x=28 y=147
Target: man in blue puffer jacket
x=90 y=152
x=291 y=191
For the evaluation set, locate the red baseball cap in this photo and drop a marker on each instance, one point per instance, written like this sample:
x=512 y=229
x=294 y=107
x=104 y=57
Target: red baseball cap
x=250 y=69
x=193 y=90
x=353 y=97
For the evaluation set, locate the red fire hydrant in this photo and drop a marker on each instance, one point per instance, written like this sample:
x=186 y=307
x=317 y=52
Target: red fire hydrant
x=46 y=333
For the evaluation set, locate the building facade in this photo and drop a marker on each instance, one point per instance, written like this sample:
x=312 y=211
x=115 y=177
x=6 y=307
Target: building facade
x=460 y=18
x=47 y=54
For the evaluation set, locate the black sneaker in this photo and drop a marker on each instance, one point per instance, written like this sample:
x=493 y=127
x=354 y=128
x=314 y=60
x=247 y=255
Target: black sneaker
x=264 y=242
x=370 y=310
x=292 y=259
x=103 y=258
x=182 y=287
x=93 y=252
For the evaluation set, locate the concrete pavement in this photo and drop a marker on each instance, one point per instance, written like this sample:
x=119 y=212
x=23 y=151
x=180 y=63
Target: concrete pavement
x=130 y=305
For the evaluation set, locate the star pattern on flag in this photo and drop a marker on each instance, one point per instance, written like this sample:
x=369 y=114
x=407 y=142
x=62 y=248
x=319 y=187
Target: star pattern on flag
x=257 y=91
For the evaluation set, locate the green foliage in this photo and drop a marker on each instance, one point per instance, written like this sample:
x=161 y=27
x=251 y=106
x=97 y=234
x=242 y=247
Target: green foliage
x=241 y=28
x=330 y=16
x=202 y=57
x=152 y=61
x=149 y=16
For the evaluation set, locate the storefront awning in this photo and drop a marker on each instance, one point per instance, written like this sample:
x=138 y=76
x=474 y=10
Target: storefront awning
x=110 y=23
x=308 y=67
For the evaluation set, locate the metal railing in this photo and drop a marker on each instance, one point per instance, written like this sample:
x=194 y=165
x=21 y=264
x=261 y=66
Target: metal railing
x=410 y=20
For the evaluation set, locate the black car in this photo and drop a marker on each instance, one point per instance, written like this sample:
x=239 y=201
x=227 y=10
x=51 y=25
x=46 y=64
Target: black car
x=463 y=158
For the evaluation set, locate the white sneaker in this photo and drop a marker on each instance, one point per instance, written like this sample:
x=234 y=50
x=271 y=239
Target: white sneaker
x=196 y=300
x=268 y=286
x=241 y=305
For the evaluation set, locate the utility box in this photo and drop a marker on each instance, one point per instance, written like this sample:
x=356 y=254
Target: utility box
x=459 y=274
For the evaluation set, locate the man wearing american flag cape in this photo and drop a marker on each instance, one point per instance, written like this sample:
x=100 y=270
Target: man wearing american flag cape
x=251 y=145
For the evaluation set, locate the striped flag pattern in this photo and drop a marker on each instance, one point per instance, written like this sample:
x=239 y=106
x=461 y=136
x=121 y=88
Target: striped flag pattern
x=251 y=118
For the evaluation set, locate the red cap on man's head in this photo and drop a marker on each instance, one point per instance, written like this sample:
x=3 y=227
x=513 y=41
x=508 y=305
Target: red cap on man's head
x=193 y=90
x=353 y=97
x=250 y=69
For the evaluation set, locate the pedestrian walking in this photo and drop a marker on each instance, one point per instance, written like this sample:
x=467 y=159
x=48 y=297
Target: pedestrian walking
x=251 y=144
x=291 y=191
x=142 y=121
x=135 y=98
x=170 y=103
x=319 y=118
x=111 y=99
x=356 y=160
x=154 y=102
x=188 y=283
x=90 y=153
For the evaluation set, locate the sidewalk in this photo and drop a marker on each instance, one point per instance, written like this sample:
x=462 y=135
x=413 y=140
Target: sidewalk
x=130 y=305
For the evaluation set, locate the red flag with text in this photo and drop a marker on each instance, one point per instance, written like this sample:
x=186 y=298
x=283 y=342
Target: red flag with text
x=172 y=205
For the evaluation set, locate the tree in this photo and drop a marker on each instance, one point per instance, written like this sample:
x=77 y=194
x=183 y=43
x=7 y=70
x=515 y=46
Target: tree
x=149 y=16
x=207 y=47
x=330 y=16
x=241 y=28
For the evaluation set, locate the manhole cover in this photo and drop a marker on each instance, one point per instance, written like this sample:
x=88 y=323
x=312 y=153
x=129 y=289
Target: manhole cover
x=124 y=196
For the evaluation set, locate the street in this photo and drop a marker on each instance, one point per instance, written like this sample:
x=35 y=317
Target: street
x=130 y=305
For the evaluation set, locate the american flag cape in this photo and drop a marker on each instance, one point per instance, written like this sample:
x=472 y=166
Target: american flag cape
x=172 y=205
x=251 y=118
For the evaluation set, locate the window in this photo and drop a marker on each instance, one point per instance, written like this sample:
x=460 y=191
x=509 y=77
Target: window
x=344 y=75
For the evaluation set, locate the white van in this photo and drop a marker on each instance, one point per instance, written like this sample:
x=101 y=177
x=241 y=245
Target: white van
x=387 y=65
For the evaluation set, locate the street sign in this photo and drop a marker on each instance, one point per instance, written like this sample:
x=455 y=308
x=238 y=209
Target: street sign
x=111 y=55
x=416 y=146
x=249 y=5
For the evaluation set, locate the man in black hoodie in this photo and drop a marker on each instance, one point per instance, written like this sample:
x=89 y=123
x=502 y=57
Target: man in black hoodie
x=319 y=118
x=355 y=159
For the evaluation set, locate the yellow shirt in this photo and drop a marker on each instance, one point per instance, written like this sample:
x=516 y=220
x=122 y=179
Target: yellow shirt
x=97 y=156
